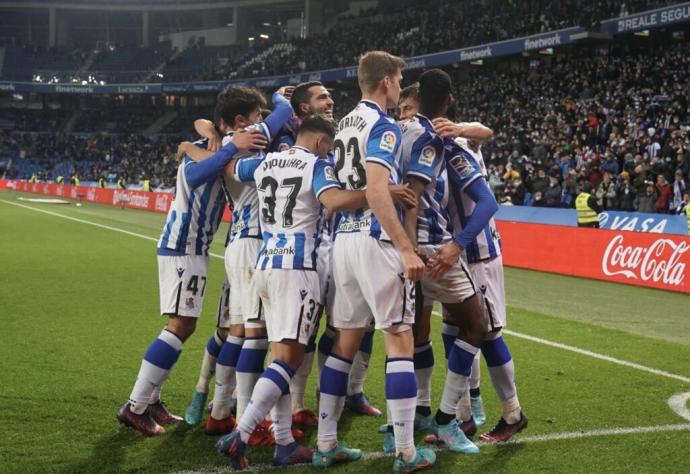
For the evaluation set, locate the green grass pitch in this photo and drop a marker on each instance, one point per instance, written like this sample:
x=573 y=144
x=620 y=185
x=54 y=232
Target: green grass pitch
x=79 y=304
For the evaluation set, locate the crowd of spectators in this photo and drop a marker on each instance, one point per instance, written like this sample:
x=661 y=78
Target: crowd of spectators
x=409 y=28
x=615 y=117
x=132 y=157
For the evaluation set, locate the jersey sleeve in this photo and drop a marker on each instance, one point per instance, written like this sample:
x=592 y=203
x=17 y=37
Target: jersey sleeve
x=245 y=167
x=383 y=143
x=426 y=152
x=324 y=177
x=463 y=170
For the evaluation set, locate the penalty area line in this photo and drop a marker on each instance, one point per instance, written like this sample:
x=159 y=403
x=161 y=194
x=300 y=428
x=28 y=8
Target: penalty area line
x=517 y=440
x=595 y=355
x=95 y=224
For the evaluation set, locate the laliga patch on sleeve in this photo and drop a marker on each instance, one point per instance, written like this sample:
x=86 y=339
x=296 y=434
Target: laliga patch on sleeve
x=388 y=140
x=461 y=166
x=329 y=173
x=426 y=157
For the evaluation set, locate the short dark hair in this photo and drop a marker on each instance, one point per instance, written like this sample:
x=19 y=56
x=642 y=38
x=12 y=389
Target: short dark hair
x=410 y=92
x=301 y=94
x=435 y=85
x=317 y=123
x=238 y=100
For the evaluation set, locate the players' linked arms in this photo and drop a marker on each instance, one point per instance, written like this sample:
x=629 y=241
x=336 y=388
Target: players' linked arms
x=206 y=129
x=194 y=152
x=353 y=200
x=336 y=200
x=403 y=195
x=416 y=188
x=470 y=130
x=381 y=203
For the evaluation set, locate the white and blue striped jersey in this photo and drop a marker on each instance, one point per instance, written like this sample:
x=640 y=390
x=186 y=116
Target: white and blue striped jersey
x=464 y=169
x=289 y=184
x=194 y=215
x=244 y=200
x=423 y=157
x=365 y=135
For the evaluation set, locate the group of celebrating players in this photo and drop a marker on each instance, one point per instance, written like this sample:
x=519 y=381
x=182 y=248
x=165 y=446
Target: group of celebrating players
x=368 y=221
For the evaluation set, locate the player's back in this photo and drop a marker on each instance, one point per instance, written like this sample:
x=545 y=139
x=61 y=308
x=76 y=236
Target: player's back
x=194 y=215
x=288 y=184
x=365 y=135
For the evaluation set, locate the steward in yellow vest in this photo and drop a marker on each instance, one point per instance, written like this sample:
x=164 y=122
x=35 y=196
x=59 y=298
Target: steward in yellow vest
x=587 y=207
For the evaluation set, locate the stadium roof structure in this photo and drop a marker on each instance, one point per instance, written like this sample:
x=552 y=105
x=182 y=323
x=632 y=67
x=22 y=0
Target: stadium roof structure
x=140 y=5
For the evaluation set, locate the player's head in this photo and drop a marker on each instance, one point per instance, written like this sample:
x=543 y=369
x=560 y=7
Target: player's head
x=380 y=73
x=316 y=133
x=312 y=98
x=409 y=102
x=238 y=107
x=435 y=96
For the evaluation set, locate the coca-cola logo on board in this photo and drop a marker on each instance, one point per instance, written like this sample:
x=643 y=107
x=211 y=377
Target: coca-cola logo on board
x=658 y=262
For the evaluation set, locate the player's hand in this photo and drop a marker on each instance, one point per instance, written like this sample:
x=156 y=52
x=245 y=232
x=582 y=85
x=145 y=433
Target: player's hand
x=215 y=142
x=444 y=259
x=246 y=140
x=403 y=195
x=446 y=128
x=413 y=265
x=286 y=91
x=182 y=150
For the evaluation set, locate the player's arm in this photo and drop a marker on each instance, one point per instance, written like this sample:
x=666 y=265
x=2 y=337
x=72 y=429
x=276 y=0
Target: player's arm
x=206 y=129
x=195 y=152
x=282 y=113
x=198 y=173
x=470 y=130
x=485 y=208
x=411 y=214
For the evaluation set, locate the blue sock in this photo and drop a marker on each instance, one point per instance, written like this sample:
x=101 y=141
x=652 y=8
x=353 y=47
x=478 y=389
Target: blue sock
x=333 y=385
x=401 y=398
x=225 y=376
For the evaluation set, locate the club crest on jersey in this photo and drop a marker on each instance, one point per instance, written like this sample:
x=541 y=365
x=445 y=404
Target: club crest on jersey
x=190 y=302
x=461 y=165
x=388 y=140
x=426 y=157
x=329 y=173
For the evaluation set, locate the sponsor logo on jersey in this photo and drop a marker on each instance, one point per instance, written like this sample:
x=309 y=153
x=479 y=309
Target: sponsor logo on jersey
x=426 y=157
x=180 y=271
x=354 y=226
x=388 y=140
x=238 y=227
x=461 y=165
x=330 y=173
x=280 y=251
x=303 y=294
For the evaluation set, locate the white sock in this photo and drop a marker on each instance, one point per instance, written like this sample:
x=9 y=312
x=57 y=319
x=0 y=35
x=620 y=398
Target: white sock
x=271 y=386
x=208 y=363
x=332 y=399
x=423 y=370
x=298 y=384
x=249 y=369
x=457 y=376
x=225 y=376
x=360 y=364
x=475 y=376
x=401 y=397
x=281 y=416
x=155 y=368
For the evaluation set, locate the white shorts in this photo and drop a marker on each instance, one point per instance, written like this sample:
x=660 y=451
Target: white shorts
x=182 y=284
x=240 y=260
x=488 y=276
x=455 y=286
x=369 y=282
x=223 y=313
x=290 y=302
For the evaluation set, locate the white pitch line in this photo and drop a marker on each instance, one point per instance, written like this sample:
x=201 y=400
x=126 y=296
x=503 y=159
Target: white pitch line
x=595 y=355
x=518 y=440
x=82 y=221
